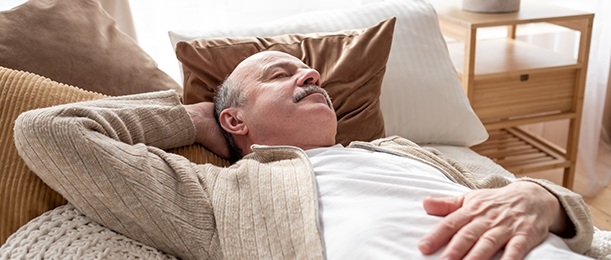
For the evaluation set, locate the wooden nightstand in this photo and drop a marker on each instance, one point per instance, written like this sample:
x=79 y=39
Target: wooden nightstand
x=511 y=83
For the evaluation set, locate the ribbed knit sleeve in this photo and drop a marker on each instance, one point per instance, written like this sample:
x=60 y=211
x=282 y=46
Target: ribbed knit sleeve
x=106 y=158
x=578 y=213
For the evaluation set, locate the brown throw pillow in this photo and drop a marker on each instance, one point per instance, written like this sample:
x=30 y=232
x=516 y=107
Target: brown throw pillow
x=77 y=43
x=23 y=196
x=352 y=64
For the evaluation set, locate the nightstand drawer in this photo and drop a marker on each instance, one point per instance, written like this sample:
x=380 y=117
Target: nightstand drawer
x=518 y=96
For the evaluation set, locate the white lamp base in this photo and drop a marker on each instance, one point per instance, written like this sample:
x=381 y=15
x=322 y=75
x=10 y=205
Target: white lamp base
x=491 y=6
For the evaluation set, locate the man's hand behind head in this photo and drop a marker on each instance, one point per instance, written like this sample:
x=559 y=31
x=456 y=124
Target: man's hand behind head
x=208 y=132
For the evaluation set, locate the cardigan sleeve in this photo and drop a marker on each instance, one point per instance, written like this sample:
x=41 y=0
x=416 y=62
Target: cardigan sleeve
x=578 y=213
x=106 y=157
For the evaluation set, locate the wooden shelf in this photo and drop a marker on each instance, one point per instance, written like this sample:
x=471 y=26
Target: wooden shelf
x=498 y=57
x=520 y=152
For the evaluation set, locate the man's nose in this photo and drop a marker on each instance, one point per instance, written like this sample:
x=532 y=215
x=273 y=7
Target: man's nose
x=309 y=77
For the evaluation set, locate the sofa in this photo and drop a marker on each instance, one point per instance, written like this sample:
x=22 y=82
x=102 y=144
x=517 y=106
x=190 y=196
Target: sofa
x=384 y=64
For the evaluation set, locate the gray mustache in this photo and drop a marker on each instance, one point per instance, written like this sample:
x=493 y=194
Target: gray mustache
x=309 y=90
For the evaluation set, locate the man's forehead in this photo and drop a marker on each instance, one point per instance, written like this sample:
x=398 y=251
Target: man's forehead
x=270 y=57
x=261 y=61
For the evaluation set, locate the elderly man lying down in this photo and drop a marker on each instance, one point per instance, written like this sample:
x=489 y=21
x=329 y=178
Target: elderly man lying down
x=294 y=193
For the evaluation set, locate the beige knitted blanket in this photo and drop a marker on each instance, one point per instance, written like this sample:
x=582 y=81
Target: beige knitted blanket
x=65 y=233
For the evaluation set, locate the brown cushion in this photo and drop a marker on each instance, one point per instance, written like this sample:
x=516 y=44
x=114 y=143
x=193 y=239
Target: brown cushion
x=77 y=43
x=23 y=196
x=352 y=65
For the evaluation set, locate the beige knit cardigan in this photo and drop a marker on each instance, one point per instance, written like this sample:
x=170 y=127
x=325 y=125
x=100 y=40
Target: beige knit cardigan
x=106 y=157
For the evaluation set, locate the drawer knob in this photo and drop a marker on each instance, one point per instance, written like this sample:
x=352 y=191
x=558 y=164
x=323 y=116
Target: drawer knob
x=524 y=77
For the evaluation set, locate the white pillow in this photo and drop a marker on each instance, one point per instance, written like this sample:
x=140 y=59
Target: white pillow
x=422 y=98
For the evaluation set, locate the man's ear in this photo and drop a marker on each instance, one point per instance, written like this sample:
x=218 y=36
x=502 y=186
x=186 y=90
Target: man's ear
x=231 y=120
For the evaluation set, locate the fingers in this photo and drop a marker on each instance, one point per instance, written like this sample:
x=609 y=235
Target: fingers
x=464 y=240
x=518 y=247
x=485 y=246
x=207 y=130
x=443 y=232
x=442 y=206
x=480 y=223
x=477 y=240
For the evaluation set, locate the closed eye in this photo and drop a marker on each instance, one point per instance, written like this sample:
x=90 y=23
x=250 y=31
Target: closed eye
x=280 y=70
x=281 y=75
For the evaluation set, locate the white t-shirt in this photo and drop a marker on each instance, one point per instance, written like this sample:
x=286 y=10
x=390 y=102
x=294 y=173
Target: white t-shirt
x=371 y=205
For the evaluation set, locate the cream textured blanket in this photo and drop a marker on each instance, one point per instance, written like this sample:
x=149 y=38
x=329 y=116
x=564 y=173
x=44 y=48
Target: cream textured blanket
x=601 y=246
x=65 y=233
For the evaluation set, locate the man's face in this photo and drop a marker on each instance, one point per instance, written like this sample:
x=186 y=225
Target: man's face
x=284 y=102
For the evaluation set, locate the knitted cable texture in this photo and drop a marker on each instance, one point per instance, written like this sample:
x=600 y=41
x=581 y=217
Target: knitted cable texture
x=65 y=233
x=601 y=246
